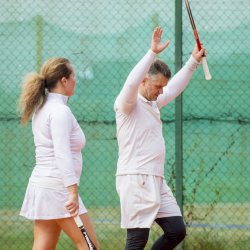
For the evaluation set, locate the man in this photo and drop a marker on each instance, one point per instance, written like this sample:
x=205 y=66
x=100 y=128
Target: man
x=144 y=194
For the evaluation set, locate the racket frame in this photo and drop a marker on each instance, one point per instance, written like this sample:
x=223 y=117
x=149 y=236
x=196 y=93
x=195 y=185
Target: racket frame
x=203 y=60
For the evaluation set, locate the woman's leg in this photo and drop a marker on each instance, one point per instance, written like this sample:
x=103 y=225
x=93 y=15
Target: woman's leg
x=89 y=229
x=46 y=234
x=69 y=226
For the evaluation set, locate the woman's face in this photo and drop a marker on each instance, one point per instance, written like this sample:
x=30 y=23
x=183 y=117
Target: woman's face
x=70 y=83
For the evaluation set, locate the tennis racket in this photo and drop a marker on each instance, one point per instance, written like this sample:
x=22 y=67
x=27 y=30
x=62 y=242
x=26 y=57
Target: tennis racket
x=88 y=240
x=203 y=60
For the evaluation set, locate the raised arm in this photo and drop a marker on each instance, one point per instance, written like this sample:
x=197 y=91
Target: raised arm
x=180 y=80
x=128 y=95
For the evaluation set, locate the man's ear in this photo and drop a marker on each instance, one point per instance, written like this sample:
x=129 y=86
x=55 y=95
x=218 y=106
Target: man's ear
x=144 y=81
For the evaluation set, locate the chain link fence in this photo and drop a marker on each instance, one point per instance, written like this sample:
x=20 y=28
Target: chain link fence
x=104 y=40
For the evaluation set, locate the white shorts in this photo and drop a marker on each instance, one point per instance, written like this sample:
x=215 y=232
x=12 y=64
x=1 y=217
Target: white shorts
x=144 y=198
x=45 y=204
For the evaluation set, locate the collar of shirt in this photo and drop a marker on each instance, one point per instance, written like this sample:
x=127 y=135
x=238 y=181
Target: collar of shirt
x=143 y=98
x=59 y=97
x=151 y=103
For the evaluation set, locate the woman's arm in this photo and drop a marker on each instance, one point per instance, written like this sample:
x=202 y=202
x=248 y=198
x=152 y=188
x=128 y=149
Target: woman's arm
x=61 y=127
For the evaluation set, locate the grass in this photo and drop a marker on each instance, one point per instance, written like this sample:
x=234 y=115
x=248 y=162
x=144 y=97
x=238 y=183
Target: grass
x=16 y=233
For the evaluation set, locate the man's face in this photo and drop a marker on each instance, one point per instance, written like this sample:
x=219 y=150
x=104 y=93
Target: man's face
x=153 y=86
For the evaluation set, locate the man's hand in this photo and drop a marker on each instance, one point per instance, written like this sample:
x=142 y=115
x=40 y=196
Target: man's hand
x=197 y=55
x=156 y=45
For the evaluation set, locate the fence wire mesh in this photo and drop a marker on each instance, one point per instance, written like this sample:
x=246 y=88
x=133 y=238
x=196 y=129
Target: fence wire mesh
x=104 y=40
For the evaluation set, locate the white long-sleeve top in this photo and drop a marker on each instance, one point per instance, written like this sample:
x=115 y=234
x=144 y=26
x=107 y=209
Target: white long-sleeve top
x=58 y=140
x=138 y=124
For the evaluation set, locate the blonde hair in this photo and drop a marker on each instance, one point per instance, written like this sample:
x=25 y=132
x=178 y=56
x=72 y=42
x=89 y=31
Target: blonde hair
x=34 y=86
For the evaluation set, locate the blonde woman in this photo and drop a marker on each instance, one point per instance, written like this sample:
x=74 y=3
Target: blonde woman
x=51 y=197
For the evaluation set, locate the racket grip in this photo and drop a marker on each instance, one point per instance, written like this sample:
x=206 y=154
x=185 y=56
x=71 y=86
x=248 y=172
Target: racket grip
x=78 y=221
x=205 y=68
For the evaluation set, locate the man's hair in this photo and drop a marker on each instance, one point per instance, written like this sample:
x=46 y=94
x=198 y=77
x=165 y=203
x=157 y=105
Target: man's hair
x=159 y=67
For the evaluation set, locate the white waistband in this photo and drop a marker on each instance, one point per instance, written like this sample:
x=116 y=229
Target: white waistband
x=47 y=182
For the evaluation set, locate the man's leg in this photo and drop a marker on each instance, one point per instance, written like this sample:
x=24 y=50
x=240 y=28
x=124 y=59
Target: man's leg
x=174 y=232
x=137 y=238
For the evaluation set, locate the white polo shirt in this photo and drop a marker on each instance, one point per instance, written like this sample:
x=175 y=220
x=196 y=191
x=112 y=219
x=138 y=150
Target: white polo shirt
x=138 y=124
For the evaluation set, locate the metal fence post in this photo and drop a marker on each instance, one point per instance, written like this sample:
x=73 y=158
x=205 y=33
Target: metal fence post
x=38 y=43
x=178 y=107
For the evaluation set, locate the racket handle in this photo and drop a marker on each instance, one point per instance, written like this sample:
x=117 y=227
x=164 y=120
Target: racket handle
x=79 y=223
x=205 y=68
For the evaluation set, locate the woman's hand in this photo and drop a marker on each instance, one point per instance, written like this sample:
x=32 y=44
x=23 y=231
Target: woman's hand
x=156 y=45
x=72 y=205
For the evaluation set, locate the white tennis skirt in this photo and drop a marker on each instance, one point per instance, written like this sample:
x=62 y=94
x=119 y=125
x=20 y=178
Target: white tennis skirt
x=42 y=203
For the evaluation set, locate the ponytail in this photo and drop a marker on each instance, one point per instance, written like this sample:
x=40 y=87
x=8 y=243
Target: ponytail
x=33 y=93
x=34 y=86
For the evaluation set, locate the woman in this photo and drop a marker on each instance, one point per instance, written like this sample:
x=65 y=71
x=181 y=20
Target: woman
x=51 y=197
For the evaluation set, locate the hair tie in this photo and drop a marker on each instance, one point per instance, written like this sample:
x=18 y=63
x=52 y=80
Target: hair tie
x=45 y=83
